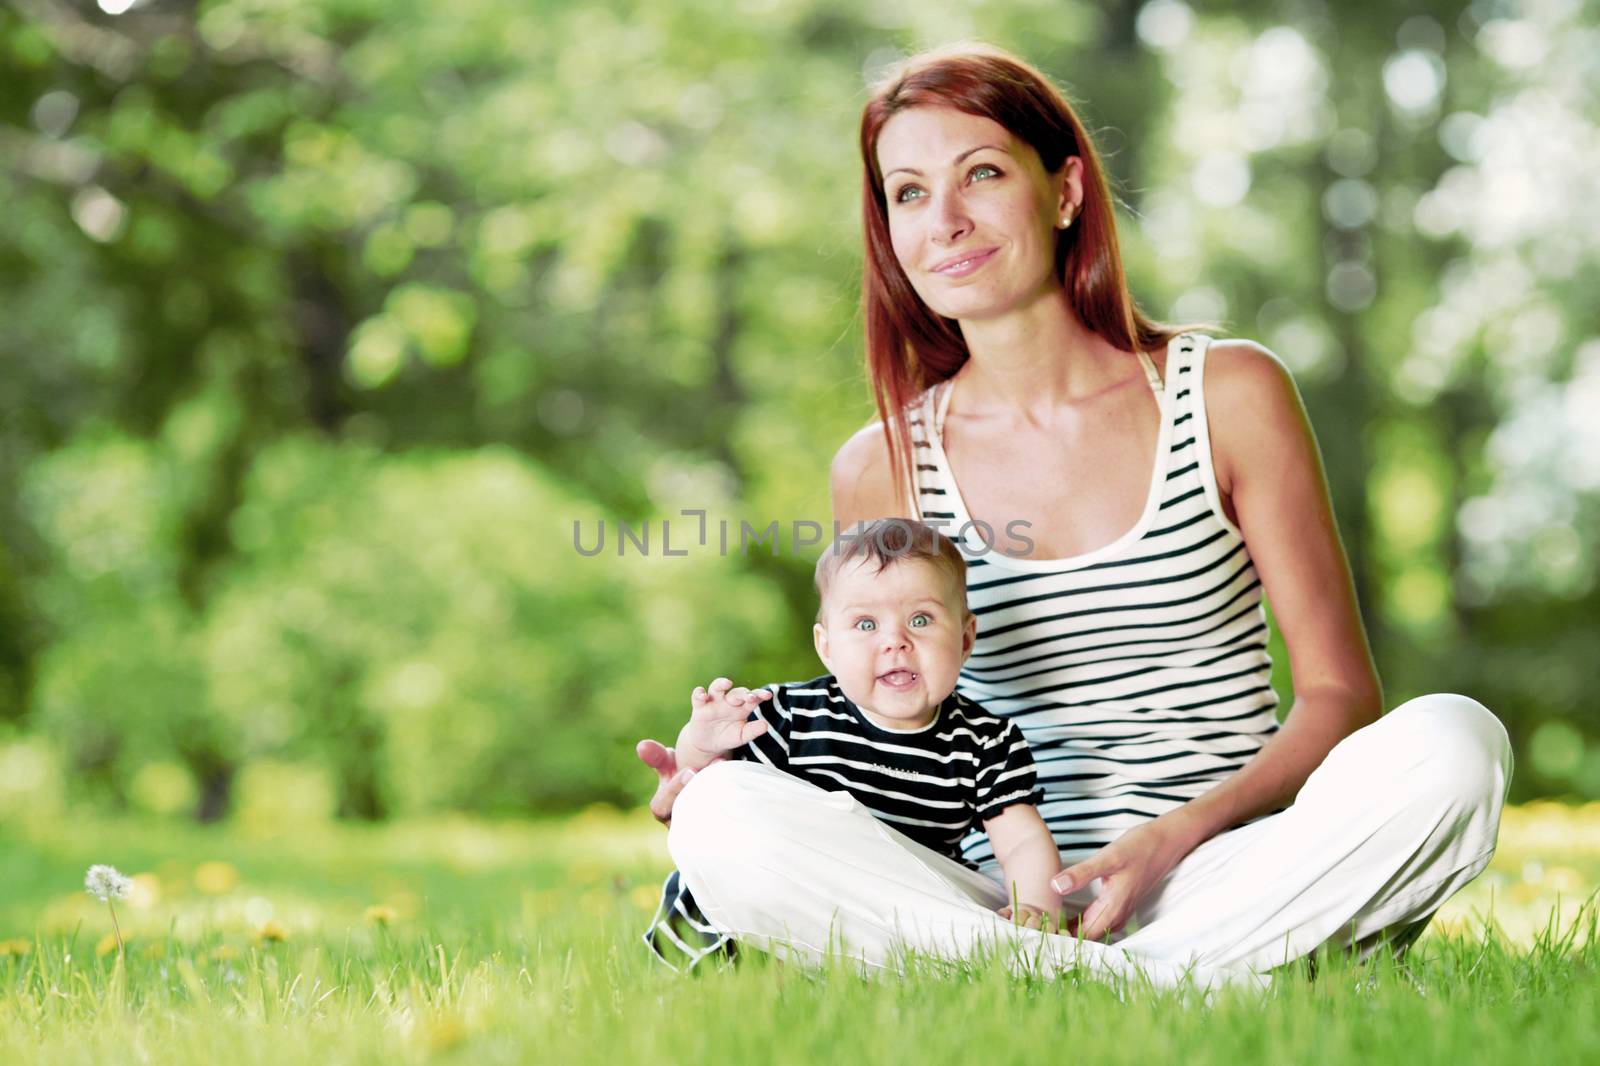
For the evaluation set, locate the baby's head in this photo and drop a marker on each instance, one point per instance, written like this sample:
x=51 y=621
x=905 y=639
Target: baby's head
x=892 y=621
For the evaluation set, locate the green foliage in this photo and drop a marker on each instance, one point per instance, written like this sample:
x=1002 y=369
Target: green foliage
x=407 y=621
x=402 y=622
x=325 y=321
x=121 y=683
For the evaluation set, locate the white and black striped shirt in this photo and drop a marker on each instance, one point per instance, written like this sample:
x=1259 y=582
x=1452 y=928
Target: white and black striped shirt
x=934 y=784
x=1137 y=672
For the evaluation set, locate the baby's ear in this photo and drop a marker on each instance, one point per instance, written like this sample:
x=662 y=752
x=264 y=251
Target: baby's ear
x=819 y=637
x=969 y=636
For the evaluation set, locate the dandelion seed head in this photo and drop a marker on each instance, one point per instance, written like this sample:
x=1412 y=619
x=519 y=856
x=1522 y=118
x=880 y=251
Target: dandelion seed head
x=105 y=883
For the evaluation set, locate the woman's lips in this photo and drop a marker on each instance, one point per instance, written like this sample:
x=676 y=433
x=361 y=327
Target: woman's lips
x=962 y=267
x=899 y=679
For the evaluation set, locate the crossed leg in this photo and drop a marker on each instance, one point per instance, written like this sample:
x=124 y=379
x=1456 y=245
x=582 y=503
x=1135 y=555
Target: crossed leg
x=1399 y=816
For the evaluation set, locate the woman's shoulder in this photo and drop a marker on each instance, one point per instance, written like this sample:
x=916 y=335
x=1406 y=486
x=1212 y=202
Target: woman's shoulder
x=1243 y=376
x=860 y=479
x=861 y=476
x=1251 y=405
x=864 y=450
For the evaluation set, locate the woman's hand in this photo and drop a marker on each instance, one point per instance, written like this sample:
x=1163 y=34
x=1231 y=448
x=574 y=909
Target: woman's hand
x=1128 y=868
x=669 y=779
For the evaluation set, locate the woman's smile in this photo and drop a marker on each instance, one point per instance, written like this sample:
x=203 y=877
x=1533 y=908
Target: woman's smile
x=962 y=266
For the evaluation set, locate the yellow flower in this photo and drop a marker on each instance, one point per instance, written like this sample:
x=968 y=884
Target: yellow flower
x=146 y=891
x=15 y=946
x=272 y=933
x=1565 y=879
x=444 y=1030
x=382 y=914
x=215 y=878
x=224 y=953
x=108 y=944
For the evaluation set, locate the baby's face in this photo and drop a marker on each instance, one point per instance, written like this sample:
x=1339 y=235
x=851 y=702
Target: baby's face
x=895 y=638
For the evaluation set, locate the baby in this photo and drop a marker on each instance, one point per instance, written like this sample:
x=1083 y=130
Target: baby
x=886 y=724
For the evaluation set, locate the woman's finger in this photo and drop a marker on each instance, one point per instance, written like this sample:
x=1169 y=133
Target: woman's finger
x=1104 y=915
x=1089 y=922
x=667 y=794
x=660 y=758
x=1075 y=877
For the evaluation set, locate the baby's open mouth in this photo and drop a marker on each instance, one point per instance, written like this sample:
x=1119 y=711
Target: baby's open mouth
x=898 y=678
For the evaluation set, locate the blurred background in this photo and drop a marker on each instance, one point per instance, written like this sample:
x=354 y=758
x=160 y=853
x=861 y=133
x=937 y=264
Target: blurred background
x=323 y=323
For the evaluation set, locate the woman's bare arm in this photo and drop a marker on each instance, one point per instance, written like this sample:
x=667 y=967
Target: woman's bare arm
x=1270 y=477
x=1270 y=473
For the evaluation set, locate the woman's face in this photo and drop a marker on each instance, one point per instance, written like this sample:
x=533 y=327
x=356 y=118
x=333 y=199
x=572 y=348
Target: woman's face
x=973 y=215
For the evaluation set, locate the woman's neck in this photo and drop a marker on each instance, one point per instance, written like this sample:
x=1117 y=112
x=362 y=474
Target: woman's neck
x=1034 y=359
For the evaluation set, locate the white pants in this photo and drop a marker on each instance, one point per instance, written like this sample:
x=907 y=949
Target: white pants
x=1399 y=816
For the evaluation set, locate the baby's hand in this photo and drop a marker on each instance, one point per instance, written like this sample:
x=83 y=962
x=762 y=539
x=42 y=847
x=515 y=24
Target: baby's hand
x=718 y=717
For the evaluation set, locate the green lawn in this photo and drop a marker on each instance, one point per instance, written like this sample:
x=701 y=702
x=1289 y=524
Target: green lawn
x=476 y=942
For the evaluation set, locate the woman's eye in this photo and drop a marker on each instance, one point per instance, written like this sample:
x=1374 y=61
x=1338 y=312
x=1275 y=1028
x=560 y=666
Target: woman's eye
x=918 y=621
x=904 y=195
x=866 y=624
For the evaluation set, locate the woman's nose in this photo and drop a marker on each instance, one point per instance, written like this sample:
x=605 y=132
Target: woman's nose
x=950 y=220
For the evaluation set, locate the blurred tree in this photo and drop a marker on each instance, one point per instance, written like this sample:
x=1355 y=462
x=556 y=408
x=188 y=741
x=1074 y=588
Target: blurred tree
x=256 y=256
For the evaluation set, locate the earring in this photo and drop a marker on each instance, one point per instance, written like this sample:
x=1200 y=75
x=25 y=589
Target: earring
x=1066 y=220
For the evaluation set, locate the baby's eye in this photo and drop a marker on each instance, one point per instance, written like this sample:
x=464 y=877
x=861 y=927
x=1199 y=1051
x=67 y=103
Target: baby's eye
x=919 y=621
x=866 y=625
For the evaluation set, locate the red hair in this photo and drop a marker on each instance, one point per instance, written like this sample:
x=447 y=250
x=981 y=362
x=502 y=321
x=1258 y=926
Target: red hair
x=909 y=346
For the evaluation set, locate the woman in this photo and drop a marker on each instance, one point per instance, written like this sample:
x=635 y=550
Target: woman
x=1160 y=483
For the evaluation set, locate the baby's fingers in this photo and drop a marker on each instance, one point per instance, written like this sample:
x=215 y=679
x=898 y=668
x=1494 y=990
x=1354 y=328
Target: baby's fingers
x=751 y=730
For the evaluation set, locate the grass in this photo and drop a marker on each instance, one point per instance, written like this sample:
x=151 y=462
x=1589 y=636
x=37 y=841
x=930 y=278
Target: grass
x=473 y=942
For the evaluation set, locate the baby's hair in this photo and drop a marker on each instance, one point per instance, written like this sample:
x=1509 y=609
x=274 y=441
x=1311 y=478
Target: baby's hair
x=886 y=541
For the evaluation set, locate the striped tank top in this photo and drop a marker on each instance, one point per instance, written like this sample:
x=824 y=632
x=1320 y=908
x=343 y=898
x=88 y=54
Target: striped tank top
x=1138 y=672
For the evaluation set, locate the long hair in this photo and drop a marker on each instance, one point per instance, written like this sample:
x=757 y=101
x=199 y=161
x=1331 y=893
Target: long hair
x=909 y=346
